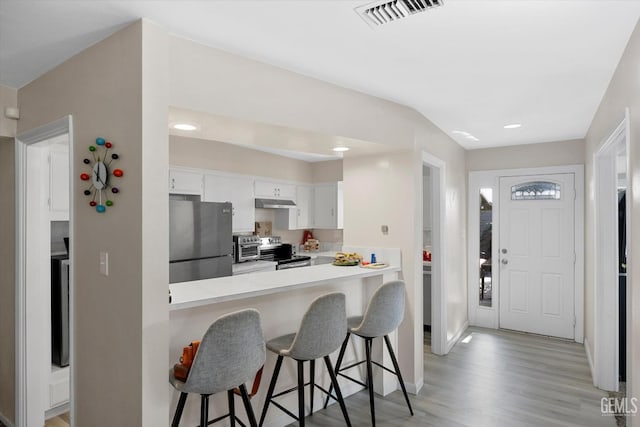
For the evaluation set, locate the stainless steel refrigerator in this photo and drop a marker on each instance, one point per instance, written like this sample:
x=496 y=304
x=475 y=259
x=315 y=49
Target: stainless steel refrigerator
x=200 y=240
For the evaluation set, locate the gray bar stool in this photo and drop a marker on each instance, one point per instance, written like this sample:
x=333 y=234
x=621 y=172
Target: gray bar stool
x=320 y=333
x=382 y=316
x=230 y=353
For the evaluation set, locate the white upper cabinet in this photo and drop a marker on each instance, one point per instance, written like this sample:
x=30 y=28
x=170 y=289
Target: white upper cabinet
x=328 y=206
x=237 y=190
x=274 y=190
x=185 y=182
x=301 y=216
x=59 y=183
x=304 y=202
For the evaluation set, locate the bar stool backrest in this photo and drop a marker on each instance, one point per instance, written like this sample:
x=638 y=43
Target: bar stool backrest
x=322 y=329
x=384 y=312
x=230 y=353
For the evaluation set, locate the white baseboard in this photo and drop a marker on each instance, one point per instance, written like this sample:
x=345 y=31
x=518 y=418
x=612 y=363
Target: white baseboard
x=414 y=388
x=456 y=337
x=5 y=421
x=590 y=360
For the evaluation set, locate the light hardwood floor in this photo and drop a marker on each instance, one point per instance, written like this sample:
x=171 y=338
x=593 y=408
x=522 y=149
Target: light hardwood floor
x=498 y=378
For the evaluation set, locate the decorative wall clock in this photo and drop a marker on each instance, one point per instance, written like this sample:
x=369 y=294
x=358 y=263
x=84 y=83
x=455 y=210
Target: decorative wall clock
x=101 y=175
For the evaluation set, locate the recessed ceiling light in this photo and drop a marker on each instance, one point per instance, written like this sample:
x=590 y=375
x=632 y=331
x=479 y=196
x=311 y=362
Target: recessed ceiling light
x=184 y=126
x=513 y=126
x=340 y=149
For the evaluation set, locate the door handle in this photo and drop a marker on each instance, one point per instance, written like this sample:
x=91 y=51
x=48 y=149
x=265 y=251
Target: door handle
x=504 y=261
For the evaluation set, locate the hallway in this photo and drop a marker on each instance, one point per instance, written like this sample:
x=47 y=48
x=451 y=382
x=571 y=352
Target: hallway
x=497 y=378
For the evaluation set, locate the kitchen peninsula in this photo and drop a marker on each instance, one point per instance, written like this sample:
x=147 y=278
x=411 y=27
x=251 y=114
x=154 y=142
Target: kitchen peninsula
x=282 y=298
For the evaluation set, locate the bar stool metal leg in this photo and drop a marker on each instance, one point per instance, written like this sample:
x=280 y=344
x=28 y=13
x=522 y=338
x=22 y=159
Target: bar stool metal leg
x=343 y=349
x=232 y=408
x=300 y=393
x=247 y=406
x=334 y=382
x=397 y=368
x=272 y=386
x=204 y=410
x=312 y=382
x=367 y=347
x=179 y=409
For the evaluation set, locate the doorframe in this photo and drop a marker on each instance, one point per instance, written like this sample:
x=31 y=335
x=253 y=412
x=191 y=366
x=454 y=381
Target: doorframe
x=439 y=291
x=605 y=362
x=58 y=127
x=489 y=317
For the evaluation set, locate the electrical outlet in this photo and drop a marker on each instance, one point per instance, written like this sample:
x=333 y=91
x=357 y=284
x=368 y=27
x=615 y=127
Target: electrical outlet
x=104 y=263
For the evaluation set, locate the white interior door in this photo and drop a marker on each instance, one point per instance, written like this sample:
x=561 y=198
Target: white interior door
x=537 y=254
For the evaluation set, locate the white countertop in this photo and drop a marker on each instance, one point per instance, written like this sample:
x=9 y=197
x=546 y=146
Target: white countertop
x=203 y=292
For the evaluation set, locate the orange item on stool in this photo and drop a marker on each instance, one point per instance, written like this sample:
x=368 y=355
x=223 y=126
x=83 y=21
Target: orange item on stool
x=181 y=370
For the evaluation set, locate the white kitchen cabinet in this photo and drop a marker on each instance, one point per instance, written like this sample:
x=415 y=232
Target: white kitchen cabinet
x=58 y=387
x=328 y=206
x=275 y=190
x=237 y=190
x=59 y=183
x=301 y=216
x=185 y=182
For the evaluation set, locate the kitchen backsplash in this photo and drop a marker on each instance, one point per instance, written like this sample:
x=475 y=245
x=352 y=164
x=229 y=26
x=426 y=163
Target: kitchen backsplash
x=328 y=238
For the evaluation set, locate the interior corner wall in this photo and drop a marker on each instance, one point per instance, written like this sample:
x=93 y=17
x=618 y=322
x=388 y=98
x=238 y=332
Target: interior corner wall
x=559 y=153
x=154 y=159
x=7 y=278
x=431 y=139
x=623 y=92
x=8 y=98
x=102 y=89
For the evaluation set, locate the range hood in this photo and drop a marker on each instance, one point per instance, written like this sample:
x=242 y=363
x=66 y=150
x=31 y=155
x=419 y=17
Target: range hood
x=275 y=204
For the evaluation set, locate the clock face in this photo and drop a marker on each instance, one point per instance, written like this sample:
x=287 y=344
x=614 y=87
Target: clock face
x=100 y=175
x=101 y=188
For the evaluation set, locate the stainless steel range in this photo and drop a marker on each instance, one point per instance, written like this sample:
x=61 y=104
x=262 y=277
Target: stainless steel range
x=272 y=249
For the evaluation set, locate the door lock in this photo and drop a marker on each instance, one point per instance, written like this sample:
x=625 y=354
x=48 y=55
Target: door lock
x=504 y=261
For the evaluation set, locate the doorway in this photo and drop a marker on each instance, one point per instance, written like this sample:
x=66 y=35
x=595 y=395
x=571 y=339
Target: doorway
x=492 y=213
x=537 y=254
x=611 y=230
x=433 y=193
x=43 y=389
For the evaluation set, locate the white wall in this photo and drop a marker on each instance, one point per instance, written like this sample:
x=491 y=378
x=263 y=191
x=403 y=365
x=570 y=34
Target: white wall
x=623 y=91
x=527 y=156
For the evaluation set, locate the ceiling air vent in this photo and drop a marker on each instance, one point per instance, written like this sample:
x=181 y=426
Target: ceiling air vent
x=379 y=13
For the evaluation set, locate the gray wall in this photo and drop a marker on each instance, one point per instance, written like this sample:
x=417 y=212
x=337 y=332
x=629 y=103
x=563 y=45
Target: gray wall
x=7 y=278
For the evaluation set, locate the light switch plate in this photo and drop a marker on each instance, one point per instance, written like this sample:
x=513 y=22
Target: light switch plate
x=104 y=263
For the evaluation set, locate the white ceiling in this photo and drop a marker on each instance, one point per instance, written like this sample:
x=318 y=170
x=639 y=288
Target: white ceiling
x=470 y=66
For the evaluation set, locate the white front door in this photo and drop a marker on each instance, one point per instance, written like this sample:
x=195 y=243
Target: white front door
x=537 y=254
